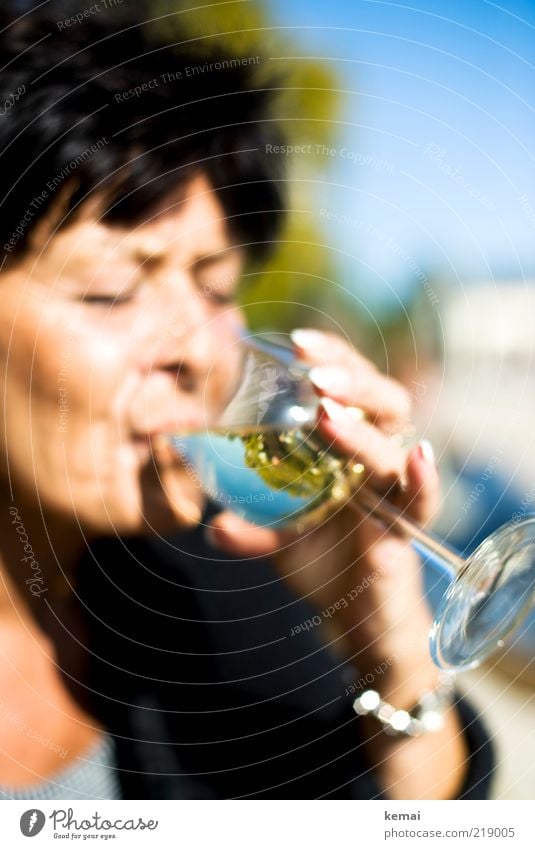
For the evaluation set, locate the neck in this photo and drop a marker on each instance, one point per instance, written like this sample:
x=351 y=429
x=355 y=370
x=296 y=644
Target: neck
x=38 y=559
x=39 y=607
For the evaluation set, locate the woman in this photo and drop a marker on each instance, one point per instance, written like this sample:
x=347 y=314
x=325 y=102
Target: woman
x=133 y=191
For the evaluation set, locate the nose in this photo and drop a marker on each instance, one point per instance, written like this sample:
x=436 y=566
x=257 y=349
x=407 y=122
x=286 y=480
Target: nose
x=191 y=340
x=189 y=354
x=188 y=360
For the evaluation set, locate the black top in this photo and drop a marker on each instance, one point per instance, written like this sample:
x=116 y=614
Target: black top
x=197 y=675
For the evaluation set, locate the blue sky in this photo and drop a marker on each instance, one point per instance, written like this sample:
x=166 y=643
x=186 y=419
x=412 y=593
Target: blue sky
x=441 y=128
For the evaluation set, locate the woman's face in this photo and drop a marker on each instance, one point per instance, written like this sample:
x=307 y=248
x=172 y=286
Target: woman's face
x=108 y=338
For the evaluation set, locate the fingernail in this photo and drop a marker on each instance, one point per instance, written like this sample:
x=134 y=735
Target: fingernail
x=340 y=412
x=329 y=378
x=334 y=411
x=426 y=451
x=307 y=339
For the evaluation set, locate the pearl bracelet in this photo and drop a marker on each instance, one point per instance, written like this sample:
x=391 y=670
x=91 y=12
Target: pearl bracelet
x=428 y=715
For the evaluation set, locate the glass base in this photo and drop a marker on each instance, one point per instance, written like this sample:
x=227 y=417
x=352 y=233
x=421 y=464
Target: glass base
x=489 y=597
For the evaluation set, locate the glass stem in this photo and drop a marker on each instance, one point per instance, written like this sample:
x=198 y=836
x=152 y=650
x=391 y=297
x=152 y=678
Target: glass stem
x=365 y=498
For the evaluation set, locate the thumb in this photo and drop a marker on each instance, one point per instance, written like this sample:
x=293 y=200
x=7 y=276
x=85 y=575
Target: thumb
x=234 y=535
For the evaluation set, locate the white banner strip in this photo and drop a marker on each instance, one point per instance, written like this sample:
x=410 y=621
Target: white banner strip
x=268 y=824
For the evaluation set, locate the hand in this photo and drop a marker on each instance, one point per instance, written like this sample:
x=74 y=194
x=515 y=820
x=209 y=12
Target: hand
x=385 y=626
x=368 y=575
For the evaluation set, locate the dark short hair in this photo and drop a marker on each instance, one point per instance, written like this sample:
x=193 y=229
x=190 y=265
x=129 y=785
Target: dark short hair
x=100 y=102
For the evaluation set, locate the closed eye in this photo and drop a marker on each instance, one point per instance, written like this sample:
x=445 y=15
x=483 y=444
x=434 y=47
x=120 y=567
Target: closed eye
x=108 y=300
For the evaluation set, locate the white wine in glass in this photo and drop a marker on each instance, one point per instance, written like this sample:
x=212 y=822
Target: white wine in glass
x=264 y=459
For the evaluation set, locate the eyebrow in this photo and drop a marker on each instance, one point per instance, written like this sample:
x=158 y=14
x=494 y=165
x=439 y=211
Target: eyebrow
x=148 y=260
x=156 y=259
x=214 y=256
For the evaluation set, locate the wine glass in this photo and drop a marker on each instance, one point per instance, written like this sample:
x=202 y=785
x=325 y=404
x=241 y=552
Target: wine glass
x=264 y=459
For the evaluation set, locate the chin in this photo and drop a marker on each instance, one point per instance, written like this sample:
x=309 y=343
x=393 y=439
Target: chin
x=137 y=504
x=150 y=514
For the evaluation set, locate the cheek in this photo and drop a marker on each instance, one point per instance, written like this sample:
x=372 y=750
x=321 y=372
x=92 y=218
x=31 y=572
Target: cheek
x=76 y=372
x=62 y=382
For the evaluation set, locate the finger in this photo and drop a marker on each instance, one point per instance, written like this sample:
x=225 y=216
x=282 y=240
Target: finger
x=382 y=459
x=343 y=373
x=319 y=346
x=421 y=495
x=234 y=535
x=384 y=400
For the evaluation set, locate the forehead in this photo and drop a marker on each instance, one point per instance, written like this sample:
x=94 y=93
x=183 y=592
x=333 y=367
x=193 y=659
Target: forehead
x=182 y=227
x=185 y=221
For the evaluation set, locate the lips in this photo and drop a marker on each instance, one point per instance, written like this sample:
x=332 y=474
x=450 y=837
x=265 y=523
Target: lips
x=151 y=442
x=162 y=432
x=151 y=426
